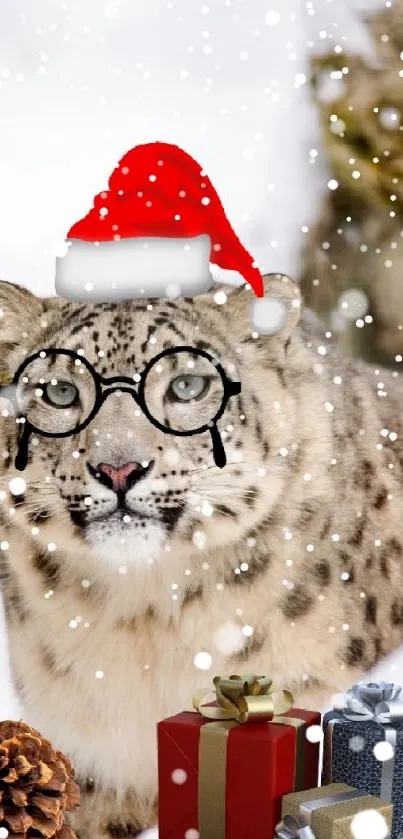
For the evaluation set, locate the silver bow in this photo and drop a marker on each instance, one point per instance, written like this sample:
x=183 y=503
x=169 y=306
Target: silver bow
x=378 y=701
x=291 y=828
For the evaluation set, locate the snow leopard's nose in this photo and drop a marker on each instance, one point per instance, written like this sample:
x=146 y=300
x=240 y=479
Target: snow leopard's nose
x=120 y=478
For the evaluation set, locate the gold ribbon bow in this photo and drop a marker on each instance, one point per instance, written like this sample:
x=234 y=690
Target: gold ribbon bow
x=244 y=698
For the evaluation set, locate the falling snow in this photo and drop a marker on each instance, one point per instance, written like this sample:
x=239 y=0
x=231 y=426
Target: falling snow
x=179 y=776
x=203 y=661
x=314 y=733
x=353 y=304
x=389 y=118
x=268 y=315
x=356 y=743
x=257 y=197
x=17 y=486
x=220 y=298
x=383 y=751
x=369 y=824
x=199 y=539
x=272 y=17
x=228 y=638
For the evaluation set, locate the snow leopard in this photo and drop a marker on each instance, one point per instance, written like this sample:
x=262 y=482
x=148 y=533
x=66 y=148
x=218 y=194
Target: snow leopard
x=135 y=568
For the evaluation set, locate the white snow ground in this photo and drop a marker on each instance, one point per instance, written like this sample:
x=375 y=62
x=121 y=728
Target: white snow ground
x=83 y=81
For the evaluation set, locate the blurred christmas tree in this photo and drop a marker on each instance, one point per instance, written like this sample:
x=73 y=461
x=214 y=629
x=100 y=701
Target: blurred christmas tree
x=353 y=266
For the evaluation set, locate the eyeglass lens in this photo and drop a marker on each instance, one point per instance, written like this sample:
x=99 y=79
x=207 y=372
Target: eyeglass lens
x=182 y=391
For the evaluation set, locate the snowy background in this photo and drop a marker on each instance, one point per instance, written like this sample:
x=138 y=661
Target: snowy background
x=82 y=82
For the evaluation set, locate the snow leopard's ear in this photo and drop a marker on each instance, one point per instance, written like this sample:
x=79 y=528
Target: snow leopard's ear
x=22 y=316
x=271 y=318
x=22 y=312
x=19 y=311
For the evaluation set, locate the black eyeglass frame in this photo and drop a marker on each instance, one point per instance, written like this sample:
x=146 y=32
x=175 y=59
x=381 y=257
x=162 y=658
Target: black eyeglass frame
x=230 y=387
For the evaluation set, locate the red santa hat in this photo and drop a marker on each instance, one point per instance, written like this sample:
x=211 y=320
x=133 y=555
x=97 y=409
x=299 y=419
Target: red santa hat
x=153 y=233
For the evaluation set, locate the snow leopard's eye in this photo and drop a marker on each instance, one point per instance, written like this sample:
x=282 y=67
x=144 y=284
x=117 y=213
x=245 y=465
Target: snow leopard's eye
x=184 y=388
x=60 y=394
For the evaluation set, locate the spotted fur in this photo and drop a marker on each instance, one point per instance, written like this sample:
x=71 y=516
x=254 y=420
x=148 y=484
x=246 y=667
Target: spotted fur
x=297 y=573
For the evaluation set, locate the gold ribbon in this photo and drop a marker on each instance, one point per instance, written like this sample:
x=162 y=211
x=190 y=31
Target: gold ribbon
x=212 y=778
x=241 y=699
x=245 y=698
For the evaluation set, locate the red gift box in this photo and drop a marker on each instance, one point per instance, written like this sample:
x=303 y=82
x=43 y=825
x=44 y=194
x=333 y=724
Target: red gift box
x=263 y=762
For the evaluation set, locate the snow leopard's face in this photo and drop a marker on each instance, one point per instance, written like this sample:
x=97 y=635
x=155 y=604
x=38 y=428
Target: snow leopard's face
x=121 y=485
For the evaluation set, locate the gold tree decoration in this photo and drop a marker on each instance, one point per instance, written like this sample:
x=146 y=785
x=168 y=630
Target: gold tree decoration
x=353 y=260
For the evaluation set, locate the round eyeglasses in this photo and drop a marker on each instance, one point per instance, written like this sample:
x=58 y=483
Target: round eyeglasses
x=57 y=392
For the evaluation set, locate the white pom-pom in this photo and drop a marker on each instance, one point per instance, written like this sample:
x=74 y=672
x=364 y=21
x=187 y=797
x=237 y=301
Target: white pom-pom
x=268 y=315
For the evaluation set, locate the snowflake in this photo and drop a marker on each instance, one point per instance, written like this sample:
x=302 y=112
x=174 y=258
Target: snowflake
x=203 y=661
x=179 y=776
x=353 y=303
x=17 y=486
x=268 y=315
x=314 y=733
x=356 y=743
x=383 y=751
x=272 y=18
x=369 y=824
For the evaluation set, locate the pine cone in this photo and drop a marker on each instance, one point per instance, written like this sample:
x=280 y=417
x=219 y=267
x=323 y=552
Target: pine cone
x=66 y=832
x=36 y=785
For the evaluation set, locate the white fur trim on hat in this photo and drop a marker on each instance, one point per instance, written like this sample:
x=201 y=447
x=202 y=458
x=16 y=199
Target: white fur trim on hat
x=134 y=268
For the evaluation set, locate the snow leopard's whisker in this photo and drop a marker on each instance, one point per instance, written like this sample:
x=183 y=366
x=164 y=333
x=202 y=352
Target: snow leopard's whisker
x=212 y=483
x=45 y=494
x=217 y=485
x=251 y=463
x=229 y=515
x=45 y=490
x=31 y=505
x=215 y=495
x=45 y=487
x=246 y=465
